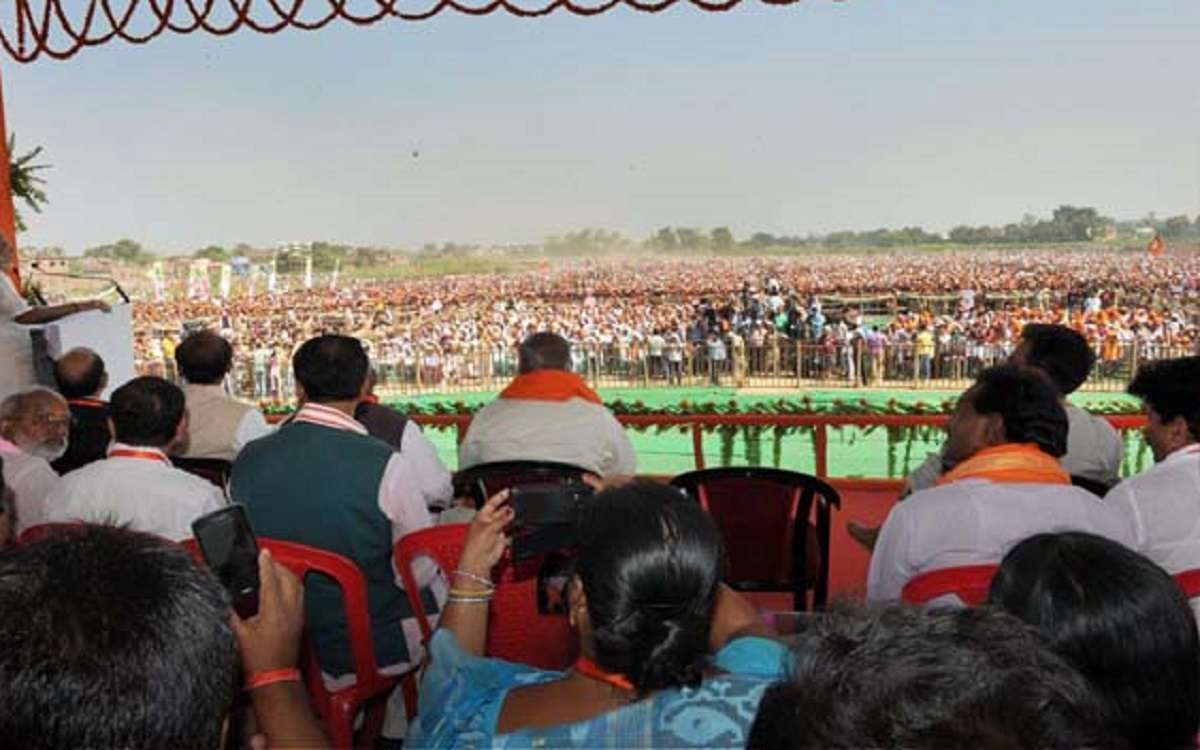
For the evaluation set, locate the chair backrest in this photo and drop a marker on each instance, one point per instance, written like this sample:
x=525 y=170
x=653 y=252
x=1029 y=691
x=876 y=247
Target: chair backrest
x=1094 y=486
x=516 y=630
x=1189 y=581
x=763 y=515
x=34 y=533
x=501 y=475
x=214 y=470
x=302 y=560
x=969 y=583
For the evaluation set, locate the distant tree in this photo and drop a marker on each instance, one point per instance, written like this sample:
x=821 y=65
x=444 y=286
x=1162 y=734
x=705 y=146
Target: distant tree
x=123 y=250
x=212 y=252
x=27 y=184
x=1177 y=226
x=665 y=240
x=721 y=239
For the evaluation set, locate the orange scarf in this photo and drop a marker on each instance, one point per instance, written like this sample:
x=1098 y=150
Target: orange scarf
x=549 y=385
x=1011 y=463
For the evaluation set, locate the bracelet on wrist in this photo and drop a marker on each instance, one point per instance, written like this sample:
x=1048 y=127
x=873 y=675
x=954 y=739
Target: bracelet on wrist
x=476 y=578
x=272 y=676
x=469 y=599
x=472 y=593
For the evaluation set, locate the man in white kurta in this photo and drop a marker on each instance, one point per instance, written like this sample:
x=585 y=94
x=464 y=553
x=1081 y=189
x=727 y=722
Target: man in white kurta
x=1163 y=502
x=33 y=431
x=136 y=484
x=1007 y=484
x=548 y=414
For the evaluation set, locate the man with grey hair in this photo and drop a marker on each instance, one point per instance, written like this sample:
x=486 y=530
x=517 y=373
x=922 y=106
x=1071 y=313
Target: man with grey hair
x=33 y=432
x=548 y=413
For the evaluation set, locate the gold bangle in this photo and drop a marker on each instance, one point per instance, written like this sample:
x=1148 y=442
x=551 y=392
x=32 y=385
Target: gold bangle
x=467 y=594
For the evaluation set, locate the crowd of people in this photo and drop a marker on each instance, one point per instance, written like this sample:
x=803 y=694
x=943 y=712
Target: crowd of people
x=839 y=318
x=113 y=637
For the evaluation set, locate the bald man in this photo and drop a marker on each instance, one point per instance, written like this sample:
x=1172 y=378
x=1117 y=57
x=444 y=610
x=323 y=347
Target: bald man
x=81 y=378
x=33 y=432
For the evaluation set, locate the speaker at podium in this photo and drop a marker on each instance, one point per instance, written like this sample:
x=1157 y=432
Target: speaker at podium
x=109 y=334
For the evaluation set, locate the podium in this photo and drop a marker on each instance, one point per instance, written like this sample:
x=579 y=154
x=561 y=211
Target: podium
x=109 y=334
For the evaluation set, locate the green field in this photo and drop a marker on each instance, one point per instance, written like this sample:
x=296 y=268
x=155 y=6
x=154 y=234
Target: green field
x=853 y=452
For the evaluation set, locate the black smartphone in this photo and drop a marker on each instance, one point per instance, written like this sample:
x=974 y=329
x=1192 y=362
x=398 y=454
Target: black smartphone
x=231 y=551
x=546 y=517
x=479 y=489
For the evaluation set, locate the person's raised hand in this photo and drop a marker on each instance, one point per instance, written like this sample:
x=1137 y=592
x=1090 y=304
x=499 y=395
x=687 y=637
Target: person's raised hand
x=271 y=639
x=486 y=539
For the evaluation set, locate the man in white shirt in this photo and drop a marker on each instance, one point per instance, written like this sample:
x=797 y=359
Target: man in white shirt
x=1163 y=502
x=218 y=425
x=33 y=432
x=136 y=484
x=548 y=413
x=1094 y=448
x=1007 y=484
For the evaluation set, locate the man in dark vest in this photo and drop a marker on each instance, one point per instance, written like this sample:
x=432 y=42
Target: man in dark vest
x=321 y=480
x=81 y=378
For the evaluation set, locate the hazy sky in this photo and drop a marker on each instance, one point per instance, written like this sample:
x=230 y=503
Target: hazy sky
x=799 y=119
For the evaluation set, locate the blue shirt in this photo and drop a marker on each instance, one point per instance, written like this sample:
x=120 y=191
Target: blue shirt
x=462 y=695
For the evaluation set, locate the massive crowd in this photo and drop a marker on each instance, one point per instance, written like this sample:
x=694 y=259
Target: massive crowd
x=625 y=633
x=847 y=318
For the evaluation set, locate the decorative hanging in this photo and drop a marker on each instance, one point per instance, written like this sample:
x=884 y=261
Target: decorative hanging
x=59 y=29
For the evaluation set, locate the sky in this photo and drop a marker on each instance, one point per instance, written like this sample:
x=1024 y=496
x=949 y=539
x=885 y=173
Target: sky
x=801 y=119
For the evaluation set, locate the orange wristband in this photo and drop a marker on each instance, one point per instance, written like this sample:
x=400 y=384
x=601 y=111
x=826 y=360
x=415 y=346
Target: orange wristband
x=262 y=679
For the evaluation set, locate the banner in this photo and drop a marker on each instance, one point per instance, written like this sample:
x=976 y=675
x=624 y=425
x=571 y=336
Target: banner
x=308 y=272
x=199 y=285
x=226 y=280
x=272 y=278
x=252 y=288
x=333 y=279
x=159 y=283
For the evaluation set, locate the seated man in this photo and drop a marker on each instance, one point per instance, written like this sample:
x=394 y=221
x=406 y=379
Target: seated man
x=1094 y=449
x=136 y=484
x=33 y=432
x=218 y=425
x=1006 y=437
x=114 y=638
x=936 y=678
x=548 y=414
x=1163 y=502
x=405 y=436
x=81 y=378
x=321 y=480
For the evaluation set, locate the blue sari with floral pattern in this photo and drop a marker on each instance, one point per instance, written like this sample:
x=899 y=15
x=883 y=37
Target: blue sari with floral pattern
x=462 y=694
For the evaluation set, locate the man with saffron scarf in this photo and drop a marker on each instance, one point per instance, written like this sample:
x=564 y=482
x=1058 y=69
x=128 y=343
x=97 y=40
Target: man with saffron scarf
x=548 y=413
x=1006 y=438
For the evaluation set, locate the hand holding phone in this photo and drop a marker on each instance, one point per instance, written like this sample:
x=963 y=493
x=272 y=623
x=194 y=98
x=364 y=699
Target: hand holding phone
x=231 y=551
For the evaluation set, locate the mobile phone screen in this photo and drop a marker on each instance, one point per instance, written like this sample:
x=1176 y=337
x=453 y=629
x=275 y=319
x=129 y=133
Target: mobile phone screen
x=231 y=550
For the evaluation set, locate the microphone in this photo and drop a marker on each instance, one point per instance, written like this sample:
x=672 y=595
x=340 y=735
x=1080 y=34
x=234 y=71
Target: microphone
x=82 y=277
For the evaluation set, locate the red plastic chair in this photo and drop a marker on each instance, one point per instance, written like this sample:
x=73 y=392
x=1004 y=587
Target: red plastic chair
x=1189 y=581
x=42 y=530
x=969 y=583
x=517 y=632
x=339 y=708
x=763 y=515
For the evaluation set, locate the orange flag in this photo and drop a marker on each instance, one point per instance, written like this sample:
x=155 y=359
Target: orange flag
x=1157 y=247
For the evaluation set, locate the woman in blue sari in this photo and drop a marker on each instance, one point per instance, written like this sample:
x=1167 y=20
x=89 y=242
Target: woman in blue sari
x=669 y=656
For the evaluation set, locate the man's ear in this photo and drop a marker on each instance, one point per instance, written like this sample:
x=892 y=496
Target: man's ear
x=994 y=431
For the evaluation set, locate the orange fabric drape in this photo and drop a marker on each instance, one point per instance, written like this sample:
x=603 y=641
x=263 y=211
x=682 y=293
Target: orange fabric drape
x=549 y=385
x=8 y=217
x=1010 y=463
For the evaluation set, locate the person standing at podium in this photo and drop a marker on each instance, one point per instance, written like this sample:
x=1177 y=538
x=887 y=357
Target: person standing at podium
x=16 y=348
